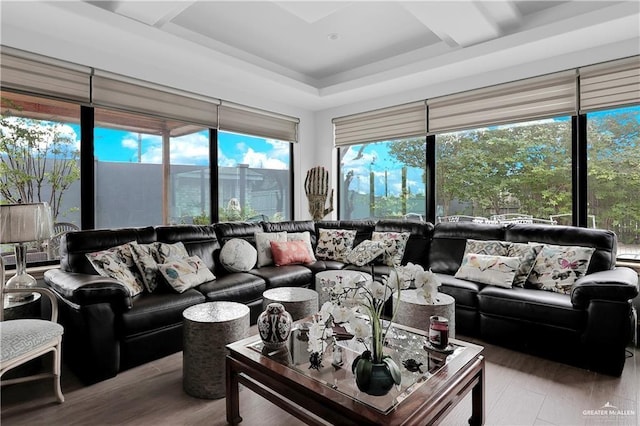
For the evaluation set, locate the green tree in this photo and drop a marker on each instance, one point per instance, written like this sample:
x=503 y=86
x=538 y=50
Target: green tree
x=38 y=160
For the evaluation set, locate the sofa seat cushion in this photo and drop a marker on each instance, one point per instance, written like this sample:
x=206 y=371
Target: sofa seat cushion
x=153 y=311
x=241 y=287
x=284 y=276
x=465 y=292
x=531 y=305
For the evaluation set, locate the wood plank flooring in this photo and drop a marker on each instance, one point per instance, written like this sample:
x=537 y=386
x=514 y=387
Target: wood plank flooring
x=520 y=390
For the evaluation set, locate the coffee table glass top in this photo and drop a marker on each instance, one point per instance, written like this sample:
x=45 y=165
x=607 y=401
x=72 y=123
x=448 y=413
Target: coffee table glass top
x=402 y=344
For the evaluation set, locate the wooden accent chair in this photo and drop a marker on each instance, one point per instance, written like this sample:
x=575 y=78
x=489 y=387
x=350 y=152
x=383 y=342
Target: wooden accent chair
x=25 y=339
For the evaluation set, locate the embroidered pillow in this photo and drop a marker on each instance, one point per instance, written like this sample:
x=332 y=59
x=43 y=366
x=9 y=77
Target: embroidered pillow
x=486 y=269
x=302 y=236
x=111 y=264
x=263 y=245
x=183 y=274
x=527 y=254
x=489 y=247
x=145 y=257
x=558 y=267
x=395 y=243
x=334 y=244
x=366 y=252
x=290 y=252
x=171 y=251
x=238 y=255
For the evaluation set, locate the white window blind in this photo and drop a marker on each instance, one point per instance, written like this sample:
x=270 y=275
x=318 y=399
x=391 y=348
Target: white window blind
x=121 y=93
x=395 y=122
x=530 y=99
x=611 y=84
x=43 y=76
x=252 y=121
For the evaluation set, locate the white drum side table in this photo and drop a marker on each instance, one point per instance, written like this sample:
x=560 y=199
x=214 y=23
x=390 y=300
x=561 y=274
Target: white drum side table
x=299 y=302
x=208 y=328
x=415 y=313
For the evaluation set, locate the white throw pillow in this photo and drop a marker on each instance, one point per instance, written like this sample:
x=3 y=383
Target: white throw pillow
x=238 y=255
x=558 y=267
x=263 y=246
x=395 y=243
x=334 y=244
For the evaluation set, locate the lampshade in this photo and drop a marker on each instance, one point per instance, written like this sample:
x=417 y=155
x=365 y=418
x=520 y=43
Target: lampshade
x=20 y=223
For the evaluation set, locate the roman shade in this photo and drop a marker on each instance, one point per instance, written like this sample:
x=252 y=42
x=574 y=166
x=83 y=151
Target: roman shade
x=252 y=121
x=122 y=93
x=395 y=122
x=534 y=98
x=610 y=84
x=35 y=74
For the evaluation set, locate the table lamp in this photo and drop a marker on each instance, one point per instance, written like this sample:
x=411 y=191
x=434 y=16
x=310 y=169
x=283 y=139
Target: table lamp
x=20 y=224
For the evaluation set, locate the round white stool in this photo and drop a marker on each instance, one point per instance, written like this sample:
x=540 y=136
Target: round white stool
x=208 y=328
x=415 y=313
x=329 y=278
x=299 y=302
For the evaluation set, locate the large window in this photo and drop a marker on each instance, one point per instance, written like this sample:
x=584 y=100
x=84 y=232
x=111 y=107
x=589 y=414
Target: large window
x=254 y=178
x=383 y=180
x=149 y=171
x=519 y=170
x=39 y=152
x=613 y=139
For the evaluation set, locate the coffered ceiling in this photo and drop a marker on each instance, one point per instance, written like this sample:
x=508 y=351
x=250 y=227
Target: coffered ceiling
x=321 y=54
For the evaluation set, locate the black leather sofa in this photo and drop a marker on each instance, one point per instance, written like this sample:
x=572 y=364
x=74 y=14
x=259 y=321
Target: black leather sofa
x=107 y=331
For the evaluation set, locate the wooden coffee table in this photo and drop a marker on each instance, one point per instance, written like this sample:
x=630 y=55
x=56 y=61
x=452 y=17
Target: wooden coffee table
x=329 y=395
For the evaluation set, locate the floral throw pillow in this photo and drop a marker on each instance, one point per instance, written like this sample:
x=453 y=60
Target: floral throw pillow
x=168 y=251
x=111 y=264
x=183 y=274
x=395 y=243
x=146 y=260
x=290 y=252
x=486 y=269
x=334 y=244
x=558 y=267
x=263 y=245
x=366 y=252
x=527 y=254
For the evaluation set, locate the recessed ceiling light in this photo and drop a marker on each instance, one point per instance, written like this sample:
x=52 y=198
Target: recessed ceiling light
x=333 y=36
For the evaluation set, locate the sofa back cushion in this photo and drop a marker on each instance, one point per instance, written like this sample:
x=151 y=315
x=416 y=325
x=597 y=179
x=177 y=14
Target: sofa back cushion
x=245 y=230
x=603 y=241
x=420 y=233
x=74 y=245
x=199 y=240
x=450 y=239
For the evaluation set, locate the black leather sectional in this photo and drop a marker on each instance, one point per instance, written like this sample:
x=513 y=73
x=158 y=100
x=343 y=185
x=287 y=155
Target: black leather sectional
x=107 y=331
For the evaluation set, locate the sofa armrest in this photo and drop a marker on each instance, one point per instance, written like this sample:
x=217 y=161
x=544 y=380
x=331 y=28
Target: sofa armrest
x=619 y=285
x=85 y=289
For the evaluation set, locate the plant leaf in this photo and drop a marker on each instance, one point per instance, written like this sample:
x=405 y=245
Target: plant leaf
x=393 y=369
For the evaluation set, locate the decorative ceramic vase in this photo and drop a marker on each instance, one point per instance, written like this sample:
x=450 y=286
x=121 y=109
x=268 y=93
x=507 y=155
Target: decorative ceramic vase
x=378 y=381
x=274 y=326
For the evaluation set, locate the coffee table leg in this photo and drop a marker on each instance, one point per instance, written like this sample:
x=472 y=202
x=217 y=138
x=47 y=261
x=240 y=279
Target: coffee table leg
x=233 y=397
x=477 y=398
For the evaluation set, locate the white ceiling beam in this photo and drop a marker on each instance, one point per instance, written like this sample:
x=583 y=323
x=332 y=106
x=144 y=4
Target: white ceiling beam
x=155 y=13
x=458 y=23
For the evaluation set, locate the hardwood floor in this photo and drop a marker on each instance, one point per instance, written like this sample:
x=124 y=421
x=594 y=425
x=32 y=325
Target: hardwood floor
x=520 y=390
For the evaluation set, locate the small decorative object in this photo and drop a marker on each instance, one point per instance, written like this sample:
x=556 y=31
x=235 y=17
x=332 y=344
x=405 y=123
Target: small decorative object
x=316 y=187
x=315 y=361
x=412 y=365
x=274 y=326
x=337 y=355
x=438 y=332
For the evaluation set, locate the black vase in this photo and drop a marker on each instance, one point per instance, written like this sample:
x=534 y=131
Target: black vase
x=378 y=382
